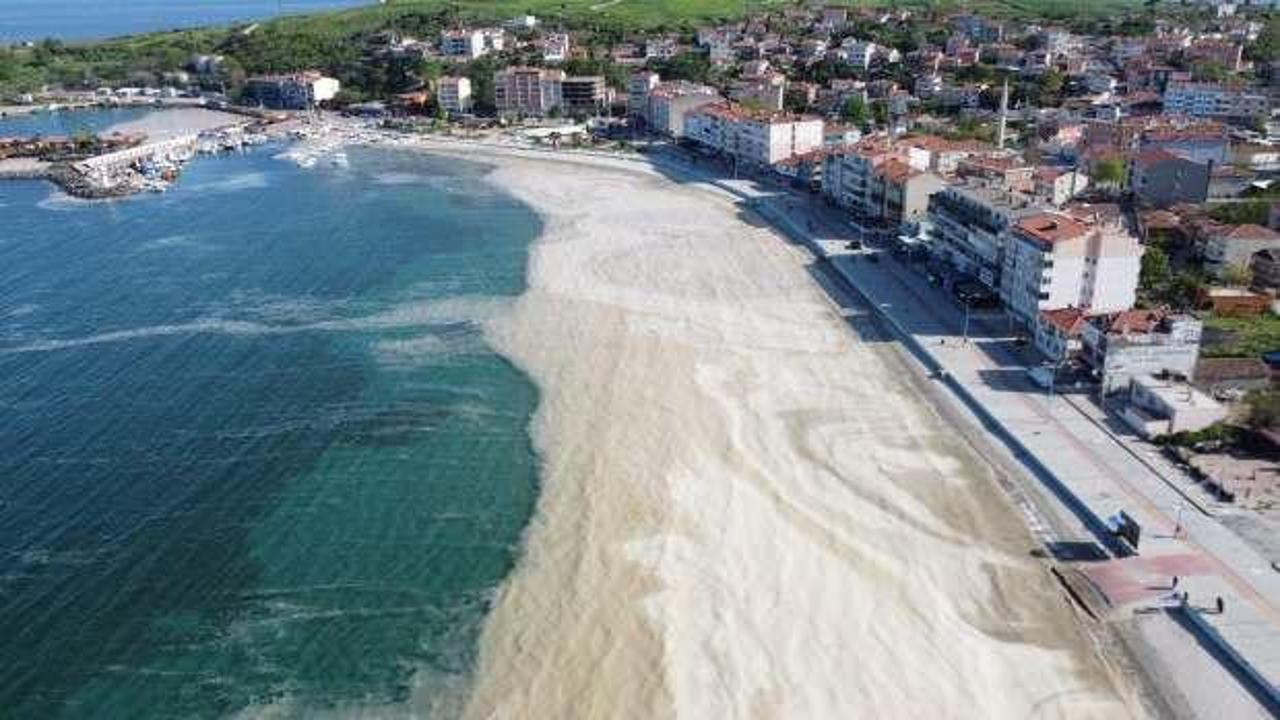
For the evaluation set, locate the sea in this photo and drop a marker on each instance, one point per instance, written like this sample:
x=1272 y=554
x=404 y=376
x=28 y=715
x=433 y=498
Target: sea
x=30 y=20
x=256 y=455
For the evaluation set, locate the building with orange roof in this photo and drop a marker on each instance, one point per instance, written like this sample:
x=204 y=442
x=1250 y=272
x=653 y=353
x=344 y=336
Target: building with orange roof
x=756 y=137
x=1122 y=345
x=939 y=154
x=1057 y=260
x=881 y=188
x=1058 y=332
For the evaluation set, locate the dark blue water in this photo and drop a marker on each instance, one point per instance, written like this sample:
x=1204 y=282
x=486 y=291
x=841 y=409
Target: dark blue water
x=254 y=449
x=83 y=19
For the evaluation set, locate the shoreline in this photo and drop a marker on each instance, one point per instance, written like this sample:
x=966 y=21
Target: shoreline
x=619 y=550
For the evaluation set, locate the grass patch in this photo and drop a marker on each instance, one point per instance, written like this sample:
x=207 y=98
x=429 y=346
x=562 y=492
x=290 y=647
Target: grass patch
x=1243 y=337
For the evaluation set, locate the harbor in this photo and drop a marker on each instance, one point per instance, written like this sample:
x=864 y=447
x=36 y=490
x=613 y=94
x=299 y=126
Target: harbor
x=147 y=155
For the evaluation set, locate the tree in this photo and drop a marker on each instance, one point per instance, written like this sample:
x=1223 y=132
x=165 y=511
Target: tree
x=1267 y=47
x=1242 y=213
x=1184 y=291
x=880 y=112
x=855 y=112
x=1052 y=82
x=1237 y=275
x=1264 y=409
x=1155 y=274
x=1209 y=71
x=1109 y=171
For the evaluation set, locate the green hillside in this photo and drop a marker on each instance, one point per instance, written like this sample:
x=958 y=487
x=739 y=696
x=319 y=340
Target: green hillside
x=335 y=41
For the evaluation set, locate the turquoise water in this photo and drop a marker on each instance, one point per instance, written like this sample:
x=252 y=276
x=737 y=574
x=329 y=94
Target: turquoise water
x=254 y=447
x=82 y=19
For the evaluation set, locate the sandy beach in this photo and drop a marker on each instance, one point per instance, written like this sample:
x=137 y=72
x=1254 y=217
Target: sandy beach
x=748 y=509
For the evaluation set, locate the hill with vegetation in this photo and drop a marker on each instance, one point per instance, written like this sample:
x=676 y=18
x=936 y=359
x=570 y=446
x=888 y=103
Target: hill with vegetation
x=336 y=42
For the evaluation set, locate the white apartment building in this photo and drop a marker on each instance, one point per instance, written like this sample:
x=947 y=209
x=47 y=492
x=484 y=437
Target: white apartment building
x=857 y=53
x=471 y=43
x=555 y=48
x=754 y=137
x=527 y=90
x=453 y=94
x=1056 y=186
x=1214 y=101
x=671 y=102
x=970 y=228
x=293 y=91
x=719 y=45
x=638 y=89
x=883 y=191
x=1059 y=260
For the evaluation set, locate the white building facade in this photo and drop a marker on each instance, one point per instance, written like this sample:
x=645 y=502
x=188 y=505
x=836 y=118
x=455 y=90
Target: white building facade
x=753 y=137
x=1054 y=260
x=453 y=94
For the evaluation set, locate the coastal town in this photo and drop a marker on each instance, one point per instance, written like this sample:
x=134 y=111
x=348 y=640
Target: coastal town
x=1074 y=234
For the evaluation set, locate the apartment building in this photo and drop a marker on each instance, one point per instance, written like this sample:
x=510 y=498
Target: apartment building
x=555 y=48
x=453 y=94
x=883 y=191
x=970 y=227
x=939 y=154
x=295 y=91
x=584 y=95
x=670 y=102
x=858 y=53
x=1057 y=185
x=1215 y=101
x=1056 y=260
x=753 y=136
x=527 y=90
x=1132 y=343
x=471 y=43
x=1163 y=178
x=639 y=87
x=1006 y=172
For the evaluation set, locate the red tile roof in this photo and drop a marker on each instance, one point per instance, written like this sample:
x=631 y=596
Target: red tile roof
x=1137 y=322
x=1251 y=232
x=1068 y=320
x=1052 y=227
x=897 y=171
